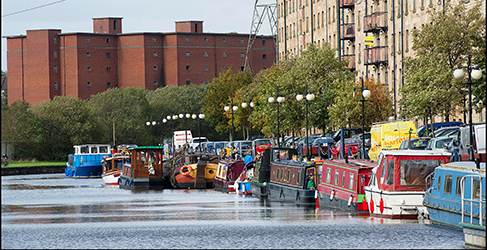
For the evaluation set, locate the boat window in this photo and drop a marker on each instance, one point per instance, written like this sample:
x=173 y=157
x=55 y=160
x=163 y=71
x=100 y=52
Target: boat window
x=336 y=176
x=384 y=168
x=282 y=174
x=448 y=180
x=328 y=175
x=277 y=174
x=476 y=189
x=298 y=177
x=414 y=172
x=103 y=149
x=439 y=183
x=84 y=150
x=288 y=175
x=119 y=164
x=458 y=188
x=94 y=150
x=390 y=172
x=343 y=179
x=350 y=181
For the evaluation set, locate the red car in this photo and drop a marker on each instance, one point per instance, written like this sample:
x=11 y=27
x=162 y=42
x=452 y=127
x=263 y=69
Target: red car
x=260 y=145
x=353 y=144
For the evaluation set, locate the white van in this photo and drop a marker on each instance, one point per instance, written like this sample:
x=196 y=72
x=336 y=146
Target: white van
x=181 y=137
x=196 y=141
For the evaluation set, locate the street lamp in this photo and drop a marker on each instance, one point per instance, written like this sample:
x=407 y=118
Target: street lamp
x=309 y=97
x=280 y=99
x=245 y=105
x=233 y=109
x=151 y=123
x=475 y=74
x=200 y=116
x=365 y=94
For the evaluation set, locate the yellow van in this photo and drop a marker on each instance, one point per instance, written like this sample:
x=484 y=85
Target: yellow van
x=389 y=135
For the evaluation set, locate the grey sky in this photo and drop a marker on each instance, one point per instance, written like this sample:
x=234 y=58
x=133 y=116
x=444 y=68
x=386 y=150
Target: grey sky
x=219 y=16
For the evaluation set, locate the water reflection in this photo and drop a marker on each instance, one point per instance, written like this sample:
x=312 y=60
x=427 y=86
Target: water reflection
x=39 y=205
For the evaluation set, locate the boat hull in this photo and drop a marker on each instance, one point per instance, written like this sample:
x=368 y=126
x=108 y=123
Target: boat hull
x=259 y=189
x=337 y=202
x=291 y=194
x=84 y=171
x=224 y=186
x=396 y=205
x=126 y=182
x=111 y=178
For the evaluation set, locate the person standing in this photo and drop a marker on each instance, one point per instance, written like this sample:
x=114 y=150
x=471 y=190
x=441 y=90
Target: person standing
x=5 y=160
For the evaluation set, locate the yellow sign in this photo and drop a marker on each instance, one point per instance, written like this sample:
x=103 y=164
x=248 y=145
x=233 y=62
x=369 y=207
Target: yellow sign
x=369 y=40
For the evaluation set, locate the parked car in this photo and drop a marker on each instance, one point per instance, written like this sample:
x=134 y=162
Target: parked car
x=439 y=143
x=320 y=146
x=349 y=132
x=422 y=129
x=241 y=147
x=418 y=143
x=196 y=141
x=445 y=131
x=352 y=144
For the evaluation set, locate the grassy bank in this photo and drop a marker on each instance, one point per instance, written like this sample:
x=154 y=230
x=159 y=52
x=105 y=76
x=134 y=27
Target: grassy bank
x=16 y=164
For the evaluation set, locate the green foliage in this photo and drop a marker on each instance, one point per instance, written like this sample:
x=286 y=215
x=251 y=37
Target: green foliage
x=129 y=109
x=65 y=121
x=21 y=127
x=441 y=47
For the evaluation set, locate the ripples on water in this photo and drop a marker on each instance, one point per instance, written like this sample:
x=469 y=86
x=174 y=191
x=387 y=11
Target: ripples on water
x=49 y=211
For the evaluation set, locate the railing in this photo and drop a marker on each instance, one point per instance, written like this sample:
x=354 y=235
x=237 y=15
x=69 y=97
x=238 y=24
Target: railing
x=346 y=3
x=375 y=55
x=478 y=203
x=375 y=22
x=347 y=31
x=351 y=60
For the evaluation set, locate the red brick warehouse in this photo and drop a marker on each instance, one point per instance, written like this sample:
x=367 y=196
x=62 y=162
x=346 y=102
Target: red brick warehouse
x=47 y=63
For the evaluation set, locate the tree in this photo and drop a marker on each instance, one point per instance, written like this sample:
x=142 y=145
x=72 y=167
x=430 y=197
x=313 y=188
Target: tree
x=220 y=93
x=129 y=107
x=64 y=122
x=21 y=127
x=441 y=47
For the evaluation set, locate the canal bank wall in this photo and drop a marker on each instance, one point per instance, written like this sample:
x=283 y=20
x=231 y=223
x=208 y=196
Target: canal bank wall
x=33 y=170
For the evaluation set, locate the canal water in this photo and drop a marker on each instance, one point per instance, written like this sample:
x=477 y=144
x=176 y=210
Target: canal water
x=49 y=211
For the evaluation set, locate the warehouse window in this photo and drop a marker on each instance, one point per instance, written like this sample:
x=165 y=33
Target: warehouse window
x=241 y=40
x=108 y=55
x=188 y=82
x=88 y=54
x=154 y=39
x=109 y=84
x=87 y=39
x=264 y=56
x=224 y=67
x=186 y=39
x=88 y=68
x=154 y=54
x=54 y=40
x=55 y=85
x=206 y=82
x=88 y=84
x=187 y=53
x=242 y=54
x=55 y=54
x=55 y=69
x=155 y=83
x=224 y=54
x=187 y=67
x=205 y=39
x=108 y=40
x=263 y=42
x=155 y=67
x=109 y=69
x=206 y=54
x=242 y=68
x=206 y=67
x=224 y=40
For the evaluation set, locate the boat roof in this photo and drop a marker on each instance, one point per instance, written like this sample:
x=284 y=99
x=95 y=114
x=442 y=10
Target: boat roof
x=412 y=152
x=354 y=163
x=464 y=164
x=147 y=147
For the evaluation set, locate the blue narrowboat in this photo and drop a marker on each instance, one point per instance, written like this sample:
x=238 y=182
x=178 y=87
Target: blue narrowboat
x=86 y=162
x=452 y=183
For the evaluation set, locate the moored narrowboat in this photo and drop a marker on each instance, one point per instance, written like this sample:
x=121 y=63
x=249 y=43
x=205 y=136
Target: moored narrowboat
x=259 y=183
x=342 y=183
x=226 y=175
x=112 y=167
x=144 y=170
x=194 y=171
x=399 y=181
x=443 y=199
x=86 y=160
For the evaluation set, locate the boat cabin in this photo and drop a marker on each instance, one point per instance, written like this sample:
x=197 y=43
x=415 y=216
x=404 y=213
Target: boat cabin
x=145 y=162
x=406 y=170
x=293 y=173
x=89 y=154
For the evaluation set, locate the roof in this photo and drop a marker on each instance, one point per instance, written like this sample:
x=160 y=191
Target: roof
x=412 y=152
